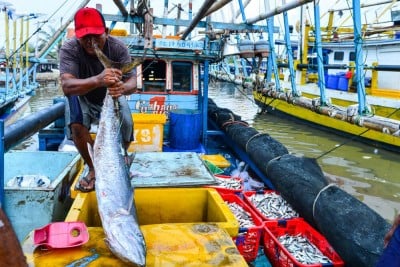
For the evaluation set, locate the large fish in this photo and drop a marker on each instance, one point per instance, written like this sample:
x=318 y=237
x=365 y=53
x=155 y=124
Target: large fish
x=114 y=191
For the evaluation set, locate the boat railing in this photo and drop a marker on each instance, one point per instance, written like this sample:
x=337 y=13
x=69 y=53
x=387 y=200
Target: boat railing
x=22 y=129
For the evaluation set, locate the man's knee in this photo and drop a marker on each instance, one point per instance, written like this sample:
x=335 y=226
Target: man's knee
x=78 y=130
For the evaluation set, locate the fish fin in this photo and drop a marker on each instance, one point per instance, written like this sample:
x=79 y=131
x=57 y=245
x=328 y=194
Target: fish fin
x=129 y=66
x=90 y=150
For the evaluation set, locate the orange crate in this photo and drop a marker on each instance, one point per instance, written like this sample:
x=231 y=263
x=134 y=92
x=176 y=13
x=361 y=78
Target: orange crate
x=248 y=239
x=263 y=216
x=224 y=190
x=278 y=255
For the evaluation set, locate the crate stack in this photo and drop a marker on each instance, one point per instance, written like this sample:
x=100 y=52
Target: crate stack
x=286 y=238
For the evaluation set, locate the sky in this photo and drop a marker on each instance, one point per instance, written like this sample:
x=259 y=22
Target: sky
x=59 y=11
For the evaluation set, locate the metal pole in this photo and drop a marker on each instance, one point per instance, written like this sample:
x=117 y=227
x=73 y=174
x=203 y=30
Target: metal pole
x=289 y=54
x=27 y=55
x=164 y=29
x=59 y=32
x=121 y=7
x=278 y=10
x=358 y=42
x=2 y=172
x=318 y=44
x=272 y=55
x=203 y=10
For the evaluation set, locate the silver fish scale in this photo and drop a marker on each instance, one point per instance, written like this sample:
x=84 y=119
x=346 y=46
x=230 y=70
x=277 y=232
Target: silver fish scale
x=242 y=216
x=303 y=250
x=273 y=206
x=114 y=191
x=228 y=183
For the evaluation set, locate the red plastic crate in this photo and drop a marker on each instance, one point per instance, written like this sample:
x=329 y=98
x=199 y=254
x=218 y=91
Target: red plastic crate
x=278 y=255
x=248 y=239
x=248 y=194
x=224 y=190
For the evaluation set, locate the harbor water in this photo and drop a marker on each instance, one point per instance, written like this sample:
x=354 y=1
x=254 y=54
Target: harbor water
x=368 y=173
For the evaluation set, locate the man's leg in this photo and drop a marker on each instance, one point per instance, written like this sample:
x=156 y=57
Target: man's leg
x=79 y=133
x=82 y=139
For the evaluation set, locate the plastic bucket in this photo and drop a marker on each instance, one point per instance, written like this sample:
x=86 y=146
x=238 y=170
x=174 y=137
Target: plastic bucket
x=332 y=81
x=184 y=128
x=343 y=83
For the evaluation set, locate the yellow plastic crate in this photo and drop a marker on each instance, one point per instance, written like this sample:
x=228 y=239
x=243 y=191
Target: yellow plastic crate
x=218 y=160
x=165 y=206
x=148 y=132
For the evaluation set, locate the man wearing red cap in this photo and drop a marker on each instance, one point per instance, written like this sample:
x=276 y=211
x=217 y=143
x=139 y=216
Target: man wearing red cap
x=85 y=81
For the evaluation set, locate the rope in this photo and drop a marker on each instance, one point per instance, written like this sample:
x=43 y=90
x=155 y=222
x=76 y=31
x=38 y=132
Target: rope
x=319 y=193
x=254 y=136
x=227 y=123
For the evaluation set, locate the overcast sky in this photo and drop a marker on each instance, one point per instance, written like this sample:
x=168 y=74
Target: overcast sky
x=58 y=11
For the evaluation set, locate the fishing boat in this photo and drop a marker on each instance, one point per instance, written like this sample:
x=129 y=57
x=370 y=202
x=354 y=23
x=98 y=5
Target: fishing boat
x=184 y=145
x=339 y=78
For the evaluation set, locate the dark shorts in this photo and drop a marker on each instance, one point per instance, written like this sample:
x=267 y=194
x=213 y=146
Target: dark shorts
x=79 y=110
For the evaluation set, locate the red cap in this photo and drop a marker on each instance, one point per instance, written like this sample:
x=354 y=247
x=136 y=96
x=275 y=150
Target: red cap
x=89 y=21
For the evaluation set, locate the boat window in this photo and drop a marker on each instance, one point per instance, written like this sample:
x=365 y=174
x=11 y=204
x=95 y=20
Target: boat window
x=182 y=76
x=352 y=56
x=338 y=55
x=154 y=75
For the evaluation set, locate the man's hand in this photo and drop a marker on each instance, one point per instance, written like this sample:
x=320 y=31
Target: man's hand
x=117 y=89
x=111 y=77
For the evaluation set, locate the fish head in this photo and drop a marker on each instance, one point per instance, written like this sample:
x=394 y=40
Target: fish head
x=126 y=240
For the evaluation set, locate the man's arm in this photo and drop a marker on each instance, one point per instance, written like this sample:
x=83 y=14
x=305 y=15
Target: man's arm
x=73 y=86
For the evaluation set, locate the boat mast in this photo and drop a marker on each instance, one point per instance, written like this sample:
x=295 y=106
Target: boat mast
x=358 y=42
x=320 y=63
x=289 y=52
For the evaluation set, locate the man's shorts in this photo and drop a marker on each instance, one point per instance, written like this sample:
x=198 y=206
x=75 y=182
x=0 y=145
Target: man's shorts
x=79 y=110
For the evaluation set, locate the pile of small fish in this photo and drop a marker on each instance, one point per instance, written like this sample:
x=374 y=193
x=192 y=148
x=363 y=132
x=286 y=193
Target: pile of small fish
x=229 y=183
x=303 y=250
x=273 y=206
x=242 y=216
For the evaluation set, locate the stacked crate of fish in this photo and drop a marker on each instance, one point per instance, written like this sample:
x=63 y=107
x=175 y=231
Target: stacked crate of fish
x=227 y=184
x=270 y=205
x=296 y=243
x=250 y=226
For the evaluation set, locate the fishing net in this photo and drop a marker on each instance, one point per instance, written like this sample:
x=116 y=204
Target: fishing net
x=262 y=148
x=240 y=133
x=299 y=180
x=351 y=227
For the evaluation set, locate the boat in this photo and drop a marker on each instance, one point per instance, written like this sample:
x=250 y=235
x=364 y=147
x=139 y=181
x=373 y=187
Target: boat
x=332 y=82
x=183 y=141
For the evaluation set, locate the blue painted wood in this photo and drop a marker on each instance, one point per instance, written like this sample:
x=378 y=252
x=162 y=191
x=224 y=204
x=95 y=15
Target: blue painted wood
x=1 y=162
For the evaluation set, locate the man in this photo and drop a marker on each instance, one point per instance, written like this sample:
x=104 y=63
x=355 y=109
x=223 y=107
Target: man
x=85 y=82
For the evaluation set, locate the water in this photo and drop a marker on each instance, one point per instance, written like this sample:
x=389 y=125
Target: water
x=43 y=98
x=369 y=174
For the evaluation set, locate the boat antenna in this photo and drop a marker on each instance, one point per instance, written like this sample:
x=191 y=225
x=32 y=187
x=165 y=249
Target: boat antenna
x=37 y=30
x=352 y=138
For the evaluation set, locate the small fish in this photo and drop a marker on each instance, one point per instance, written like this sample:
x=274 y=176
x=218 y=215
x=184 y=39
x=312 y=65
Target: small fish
x=273 y=206
x=303 y=250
